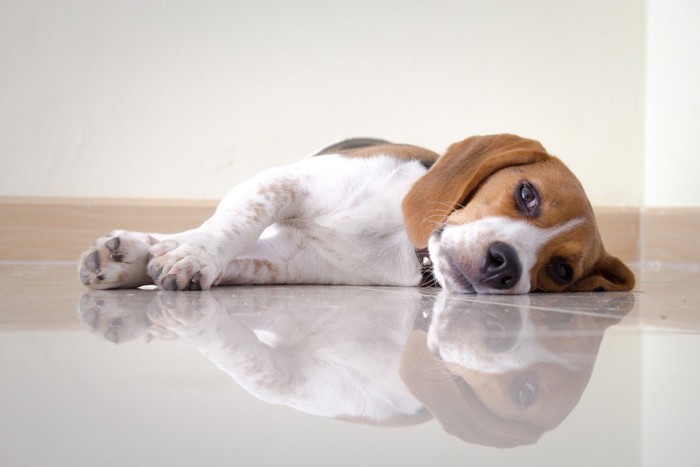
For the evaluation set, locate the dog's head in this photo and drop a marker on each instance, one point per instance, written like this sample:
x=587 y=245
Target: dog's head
x=500 y=215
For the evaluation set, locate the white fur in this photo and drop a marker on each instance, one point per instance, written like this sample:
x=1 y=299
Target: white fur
x=339 y=230
x=323 y=220
x=335 y=220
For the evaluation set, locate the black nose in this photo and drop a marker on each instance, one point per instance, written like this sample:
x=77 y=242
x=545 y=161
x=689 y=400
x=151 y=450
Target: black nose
x=501 y=268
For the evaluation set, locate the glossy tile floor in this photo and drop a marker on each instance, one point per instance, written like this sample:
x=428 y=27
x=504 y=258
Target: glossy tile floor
x=357 y=376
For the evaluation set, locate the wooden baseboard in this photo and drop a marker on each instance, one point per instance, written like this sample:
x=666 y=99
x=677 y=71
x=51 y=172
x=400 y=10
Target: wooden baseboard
x=61 y=228
x=670 y=235
x=619 y=229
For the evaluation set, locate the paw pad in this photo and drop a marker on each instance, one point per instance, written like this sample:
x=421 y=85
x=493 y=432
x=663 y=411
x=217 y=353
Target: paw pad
x=116 y=262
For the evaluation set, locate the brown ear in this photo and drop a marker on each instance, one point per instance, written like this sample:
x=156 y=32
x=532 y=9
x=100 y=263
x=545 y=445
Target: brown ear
x=456 y=174
x=608 y=274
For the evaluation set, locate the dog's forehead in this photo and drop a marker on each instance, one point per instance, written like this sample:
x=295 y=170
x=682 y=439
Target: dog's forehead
x=552 y=173
x=562 y=199
x=561 y=195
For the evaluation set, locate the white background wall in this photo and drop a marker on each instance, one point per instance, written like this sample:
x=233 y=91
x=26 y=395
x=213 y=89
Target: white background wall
x=673 y=103
x=182 y=99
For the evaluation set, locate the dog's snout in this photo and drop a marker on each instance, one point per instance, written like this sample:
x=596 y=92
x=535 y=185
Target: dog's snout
x=501 y=267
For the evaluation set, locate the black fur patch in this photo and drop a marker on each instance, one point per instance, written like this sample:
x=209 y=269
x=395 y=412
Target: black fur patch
x=352 y=143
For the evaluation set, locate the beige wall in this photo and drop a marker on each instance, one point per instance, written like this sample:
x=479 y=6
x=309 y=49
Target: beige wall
x=184 y=99
x=673 y=103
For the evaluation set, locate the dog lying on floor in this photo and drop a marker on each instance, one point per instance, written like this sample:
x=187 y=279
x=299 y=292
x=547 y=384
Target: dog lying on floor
x=495 y=214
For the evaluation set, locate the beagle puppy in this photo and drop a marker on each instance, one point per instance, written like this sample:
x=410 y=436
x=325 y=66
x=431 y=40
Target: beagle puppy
x=495 y=215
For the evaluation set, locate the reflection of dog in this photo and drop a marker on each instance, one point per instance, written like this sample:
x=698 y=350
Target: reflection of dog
x=503 y=375
x=493 y=375
x=328 y=360
x=118 y=317
x=496 y=213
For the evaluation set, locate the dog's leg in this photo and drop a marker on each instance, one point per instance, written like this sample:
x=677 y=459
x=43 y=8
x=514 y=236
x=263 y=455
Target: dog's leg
x=195 y=259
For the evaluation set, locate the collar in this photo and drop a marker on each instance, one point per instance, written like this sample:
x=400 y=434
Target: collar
x=426 y=269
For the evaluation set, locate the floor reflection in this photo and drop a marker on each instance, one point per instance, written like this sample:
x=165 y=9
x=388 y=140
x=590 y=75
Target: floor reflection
x=501 y=373
x=496 y=371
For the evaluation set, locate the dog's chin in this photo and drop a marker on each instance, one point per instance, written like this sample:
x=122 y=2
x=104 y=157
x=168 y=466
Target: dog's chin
x=451 y=278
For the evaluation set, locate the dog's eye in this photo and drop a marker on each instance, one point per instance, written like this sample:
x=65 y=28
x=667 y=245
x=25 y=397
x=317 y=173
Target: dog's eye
x=527 y=199
x=525 y=390
x=559 y=270
x=528 y=196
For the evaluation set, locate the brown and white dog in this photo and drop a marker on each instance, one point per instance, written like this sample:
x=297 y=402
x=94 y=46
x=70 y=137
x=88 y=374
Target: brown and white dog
x=497 y=214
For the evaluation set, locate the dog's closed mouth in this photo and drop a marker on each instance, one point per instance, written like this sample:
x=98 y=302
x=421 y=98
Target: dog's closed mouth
x=456 y=273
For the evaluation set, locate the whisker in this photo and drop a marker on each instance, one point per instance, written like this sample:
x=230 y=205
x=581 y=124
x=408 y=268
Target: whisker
x=435 y=218
x=537 y=287
x=438 y=212
x=451 y=206
x=441 y=214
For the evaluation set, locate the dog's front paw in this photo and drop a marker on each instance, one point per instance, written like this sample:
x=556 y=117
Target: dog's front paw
x=184 y=267
x=117 y=261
